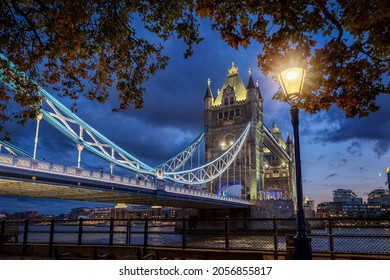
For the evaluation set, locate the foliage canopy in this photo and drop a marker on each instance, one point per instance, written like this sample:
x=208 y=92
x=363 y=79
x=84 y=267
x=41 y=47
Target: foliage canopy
x=84 y=47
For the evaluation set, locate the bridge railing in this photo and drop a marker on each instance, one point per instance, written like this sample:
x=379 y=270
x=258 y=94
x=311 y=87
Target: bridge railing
x=40 y=166
x=198 y=193
x=70 y=171
x=330 y=237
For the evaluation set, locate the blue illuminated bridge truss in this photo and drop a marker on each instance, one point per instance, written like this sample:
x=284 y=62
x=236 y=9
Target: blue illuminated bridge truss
x=24 y=174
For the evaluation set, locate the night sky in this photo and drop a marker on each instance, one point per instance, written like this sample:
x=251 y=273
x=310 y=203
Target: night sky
x=336 y=152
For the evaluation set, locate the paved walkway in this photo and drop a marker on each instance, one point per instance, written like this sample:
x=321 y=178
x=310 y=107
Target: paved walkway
x=11 y=257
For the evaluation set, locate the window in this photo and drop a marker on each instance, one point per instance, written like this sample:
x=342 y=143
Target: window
x=225 y=114
x=231 y=100
x=226 y=101
x=231 y=113
x=220 y=115
x=229 y=139
x=238 y=112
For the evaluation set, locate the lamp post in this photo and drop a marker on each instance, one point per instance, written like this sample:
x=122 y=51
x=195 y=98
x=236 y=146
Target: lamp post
x=291 y=81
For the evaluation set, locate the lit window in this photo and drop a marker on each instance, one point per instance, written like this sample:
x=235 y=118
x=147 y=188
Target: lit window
x=229 y=139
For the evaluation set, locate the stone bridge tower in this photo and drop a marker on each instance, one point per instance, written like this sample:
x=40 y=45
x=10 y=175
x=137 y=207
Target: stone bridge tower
x=255 y=174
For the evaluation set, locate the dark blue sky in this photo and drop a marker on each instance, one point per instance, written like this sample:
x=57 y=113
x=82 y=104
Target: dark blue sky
x=335 y=152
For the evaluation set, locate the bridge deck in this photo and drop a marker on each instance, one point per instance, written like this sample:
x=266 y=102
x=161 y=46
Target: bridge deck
x=38 y=179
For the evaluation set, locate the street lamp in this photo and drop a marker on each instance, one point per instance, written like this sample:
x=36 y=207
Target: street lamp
x=291 y=81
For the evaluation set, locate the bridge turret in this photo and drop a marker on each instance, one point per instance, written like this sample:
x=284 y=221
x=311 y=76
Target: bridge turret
x=208 y=97
x=289 y=147
x=208 y=104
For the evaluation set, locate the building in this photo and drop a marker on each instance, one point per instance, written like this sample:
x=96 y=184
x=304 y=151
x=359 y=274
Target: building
x=79 y=213
x=322 y=210
x=308 y=207
x=345 y=204
x=124 y=211
x=102 y=213
x=378 y=203
x=257 y=172
x=23 y=215
x=346 y=196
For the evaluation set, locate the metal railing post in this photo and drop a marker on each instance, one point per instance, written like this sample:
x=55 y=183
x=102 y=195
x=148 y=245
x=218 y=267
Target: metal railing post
x=111 y=239
x=227 y=233
x=331 y=241
x=2 y=230
x=128 y=230
x=146 y=228
x=51 y=237
x=80 y=232
x=275 y=230
x=183 y=238
x=25 y=237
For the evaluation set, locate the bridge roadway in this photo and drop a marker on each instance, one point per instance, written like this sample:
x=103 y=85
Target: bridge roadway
x=28 y=177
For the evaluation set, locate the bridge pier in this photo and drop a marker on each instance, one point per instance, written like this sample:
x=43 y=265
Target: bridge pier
x=239 y=219
x=259 y=209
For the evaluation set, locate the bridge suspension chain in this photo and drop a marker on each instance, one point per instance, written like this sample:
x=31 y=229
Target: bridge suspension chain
x=13 y=150
x=181 y=158
x=212 y=169
x=87 y=137
x=64 y=120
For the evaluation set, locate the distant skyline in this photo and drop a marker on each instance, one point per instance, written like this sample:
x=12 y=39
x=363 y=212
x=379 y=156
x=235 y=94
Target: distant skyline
x=336 y=152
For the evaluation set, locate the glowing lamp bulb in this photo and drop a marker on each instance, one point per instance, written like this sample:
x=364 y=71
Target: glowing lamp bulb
x=292 y=75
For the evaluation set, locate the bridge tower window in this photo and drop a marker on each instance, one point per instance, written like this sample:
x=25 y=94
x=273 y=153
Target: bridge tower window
x=229 y=139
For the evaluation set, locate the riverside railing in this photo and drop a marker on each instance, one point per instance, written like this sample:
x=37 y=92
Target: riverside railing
x=329 y=236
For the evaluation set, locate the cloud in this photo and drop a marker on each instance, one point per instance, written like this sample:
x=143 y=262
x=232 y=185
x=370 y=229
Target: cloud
x=355 y=149
x=337 y=163
x=330 y=176
x=333 y=127
x=381 y=147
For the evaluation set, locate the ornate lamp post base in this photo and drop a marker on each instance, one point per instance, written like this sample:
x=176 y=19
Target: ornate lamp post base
x=302 y=248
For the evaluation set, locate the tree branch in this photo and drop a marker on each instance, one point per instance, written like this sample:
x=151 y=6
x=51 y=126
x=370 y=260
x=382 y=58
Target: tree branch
x=31 y=24
x=363 y=51
x=331 y=18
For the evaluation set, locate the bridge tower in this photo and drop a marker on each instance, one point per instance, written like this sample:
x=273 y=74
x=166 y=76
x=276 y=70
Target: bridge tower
x=256 y=169
x=226 y=116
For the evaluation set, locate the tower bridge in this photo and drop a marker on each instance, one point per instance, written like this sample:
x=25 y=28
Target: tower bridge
x=245 y=162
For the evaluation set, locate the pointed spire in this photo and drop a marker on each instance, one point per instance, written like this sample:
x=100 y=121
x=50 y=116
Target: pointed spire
x=251 y=84
x=258 y=90
x=208 y=93
x=288 y=141
x=233 y=70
